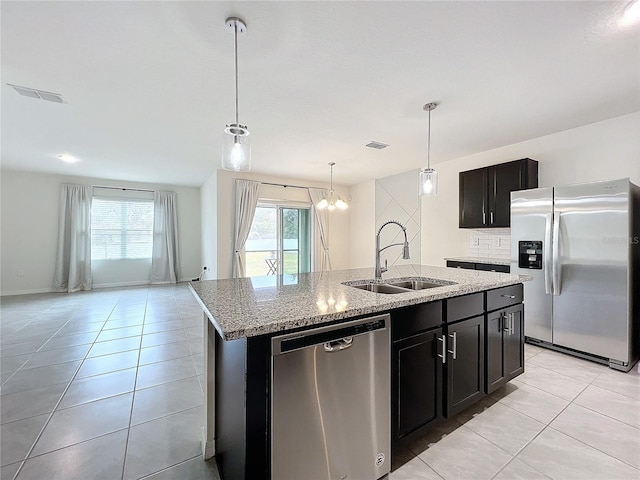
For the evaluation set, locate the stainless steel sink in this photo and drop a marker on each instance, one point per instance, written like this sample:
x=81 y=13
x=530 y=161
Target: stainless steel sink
x=380 y=288
x=416 y=284
x=399 y=285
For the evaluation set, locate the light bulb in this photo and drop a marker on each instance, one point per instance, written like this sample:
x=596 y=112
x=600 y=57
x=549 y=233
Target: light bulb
x=341 y=204
x=427 y=187
x=331 y=207
x=631 y=14
x=237 y=155
x=322 y=204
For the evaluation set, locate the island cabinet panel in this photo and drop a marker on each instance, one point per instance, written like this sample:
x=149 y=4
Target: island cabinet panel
x=416 y=382
x=465 y=364
x=504 y=336
x=241 y=408
x=416 y=368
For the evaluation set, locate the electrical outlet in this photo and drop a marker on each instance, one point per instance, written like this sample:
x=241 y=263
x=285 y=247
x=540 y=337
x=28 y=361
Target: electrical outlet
x=476 y=242
x=20 y=272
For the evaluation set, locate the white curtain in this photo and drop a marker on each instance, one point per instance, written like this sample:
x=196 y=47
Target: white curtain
x=165 y=260
x=246 y=202
x=73 y=262
x=322 y=219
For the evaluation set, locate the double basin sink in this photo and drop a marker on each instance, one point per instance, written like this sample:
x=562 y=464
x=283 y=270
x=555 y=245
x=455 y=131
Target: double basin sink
x=399 y=285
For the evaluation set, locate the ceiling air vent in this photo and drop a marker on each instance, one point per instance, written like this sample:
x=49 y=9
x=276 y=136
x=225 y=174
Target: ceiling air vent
x=376 y=145
x=33 y=93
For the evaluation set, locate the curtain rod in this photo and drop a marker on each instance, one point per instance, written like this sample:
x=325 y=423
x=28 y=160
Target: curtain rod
x=283 y=185
x=121 y=188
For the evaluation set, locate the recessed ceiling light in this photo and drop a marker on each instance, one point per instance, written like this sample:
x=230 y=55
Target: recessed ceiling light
x=631 y=15
x=68 y=158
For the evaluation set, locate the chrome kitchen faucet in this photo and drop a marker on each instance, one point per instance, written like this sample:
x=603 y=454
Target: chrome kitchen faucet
x=405 y=250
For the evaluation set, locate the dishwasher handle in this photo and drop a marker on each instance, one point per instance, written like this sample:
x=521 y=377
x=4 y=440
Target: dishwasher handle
x=338 y=345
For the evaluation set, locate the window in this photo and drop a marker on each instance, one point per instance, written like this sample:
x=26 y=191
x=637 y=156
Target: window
x=121 y=229
x=279 y=241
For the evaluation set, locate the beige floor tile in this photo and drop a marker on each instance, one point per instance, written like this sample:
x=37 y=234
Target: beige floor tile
x=614 y=405
x=162 y=443
x=531 y=401
x=561 y=457
x=610 y=436
x=552 y=382
x=18 y=437
x=572 y=367
x=517 y=470
x=416 y=469
x=464 y=454
x=505 y=427
x=194 y=469
x=90 y=389
x=99 y=459
x=623 y=383
x=108 y=363
x=166 y=399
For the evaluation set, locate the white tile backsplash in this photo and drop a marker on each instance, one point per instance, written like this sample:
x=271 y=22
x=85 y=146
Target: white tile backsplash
x=490 y=243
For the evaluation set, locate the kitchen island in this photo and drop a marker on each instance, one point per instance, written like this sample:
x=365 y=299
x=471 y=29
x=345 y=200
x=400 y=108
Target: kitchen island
x=479 y=309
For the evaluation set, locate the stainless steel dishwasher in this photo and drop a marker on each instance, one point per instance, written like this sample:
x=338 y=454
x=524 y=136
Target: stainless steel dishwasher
x=330 y=402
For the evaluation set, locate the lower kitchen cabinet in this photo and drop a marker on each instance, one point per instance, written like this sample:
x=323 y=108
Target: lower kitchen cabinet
x=464 y=364
x=505 y=346
x=416 y=382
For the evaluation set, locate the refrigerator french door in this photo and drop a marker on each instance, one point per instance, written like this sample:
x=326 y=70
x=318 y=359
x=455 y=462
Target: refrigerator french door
x=577 y=242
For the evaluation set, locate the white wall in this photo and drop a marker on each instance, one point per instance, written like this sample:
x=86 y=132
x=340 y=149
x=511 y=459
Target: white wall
x=29 y=237
x=601 y=151
x=397 y=199
x=363 y=222
x=209 y=225
x=223 y=221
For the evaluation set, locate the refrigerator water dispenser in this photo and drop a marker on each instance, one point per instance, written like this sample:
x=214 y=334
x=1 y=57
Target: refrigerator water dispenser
x=530 y=254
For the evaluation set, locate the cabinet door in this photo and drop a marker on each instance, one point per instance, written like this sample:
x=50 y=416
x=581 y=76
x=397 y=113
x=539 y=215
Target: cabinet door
x=473 y=198
x=465 y=364
x=490 y=267
x=416 y=377
x=503 y=179
x=514 y=343
x=496 y=376
x=456 y=264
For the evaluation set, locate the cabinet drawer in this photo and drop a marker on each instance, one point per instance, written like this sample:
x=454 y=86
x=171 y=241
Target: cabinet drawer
x=467 y=265
x=490 y=267
x=408 y=321
x=465 y=307
x=503 y=297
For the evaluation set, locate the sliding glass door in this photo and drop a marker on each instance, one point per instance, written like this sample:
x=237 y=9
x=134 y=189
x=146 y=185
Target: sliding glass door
x=279 y=241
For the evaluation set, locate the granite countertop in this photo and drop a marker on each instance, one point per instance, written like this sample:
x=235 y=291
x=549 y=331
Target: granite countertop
x=247 y=307
x=488 y=260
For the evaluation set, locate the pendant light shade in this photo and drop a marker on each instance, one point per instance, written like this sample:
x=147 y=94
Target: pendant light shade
x=334 y=201
x=428 y=185
x=236 y=148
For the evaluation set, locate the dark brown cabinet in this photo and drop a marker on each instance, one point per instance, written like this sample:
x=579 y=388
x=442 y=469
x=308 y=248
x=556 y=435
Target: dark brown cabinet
x=504 y=339
x=416 y=368
x=485 y=193
x=465 y=364
x=416 y=382
x=488 y=267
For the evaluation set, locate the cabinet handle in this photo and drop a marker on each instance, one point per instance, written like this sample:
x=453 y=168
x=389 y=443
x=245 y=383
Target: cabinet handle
x=444 y=349
x=501 y=327
x=509 y=296
x=513 y=323
x=491 y=214
x=484 y=218
x=454 y=352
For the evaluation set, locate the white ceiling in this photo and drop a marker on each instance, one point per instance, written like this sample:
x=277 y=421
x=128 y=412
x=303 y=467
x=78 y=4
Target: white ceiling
x=149 y=85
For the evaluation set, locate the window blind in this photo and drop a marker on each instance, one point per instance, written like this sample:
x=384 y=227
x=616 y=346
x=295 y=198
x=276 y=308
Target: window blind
x=121 y=228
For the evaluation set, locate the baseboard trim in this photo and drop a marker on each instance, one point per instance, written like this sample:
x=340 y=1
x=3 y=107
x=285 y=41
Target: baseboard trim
x=27 y=292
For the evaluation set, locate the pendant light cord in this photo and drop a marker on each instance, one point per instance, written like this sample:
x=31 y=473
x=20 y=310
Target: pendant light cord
x=429 y=143
x=235 y=49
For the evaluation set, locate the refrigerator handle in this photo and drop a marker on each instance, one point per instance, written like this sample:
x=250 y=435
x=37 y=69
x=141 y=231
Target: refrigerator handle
x=556 y=258
x=548 y=263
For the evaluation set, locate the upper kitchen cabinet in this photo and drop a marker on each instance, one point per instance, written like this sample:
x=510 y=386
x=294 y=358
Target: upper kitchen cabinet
x=485 y=193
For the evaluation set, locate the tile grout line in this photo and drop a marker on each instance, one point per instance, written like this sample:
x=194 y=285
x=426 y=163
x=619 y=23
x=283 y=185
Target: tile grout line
x=55 y=408
x=133 y=396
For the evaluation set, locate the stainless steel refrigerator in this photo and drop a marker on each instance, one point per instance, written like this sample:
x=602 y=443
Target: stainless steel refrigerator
x=581 y=245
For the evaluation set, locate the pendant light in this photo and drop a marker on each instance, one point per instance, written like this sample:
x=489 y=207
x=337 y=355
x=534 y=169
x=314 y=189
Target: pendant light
x=236 y=149
x=428 y=176
x=332 y=203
